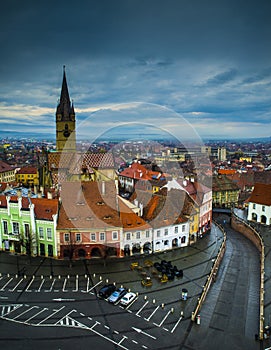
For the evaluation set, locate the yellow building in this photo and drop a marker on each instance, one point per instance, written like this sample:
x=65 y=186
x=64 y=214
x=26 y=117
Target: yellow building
x=27 y=176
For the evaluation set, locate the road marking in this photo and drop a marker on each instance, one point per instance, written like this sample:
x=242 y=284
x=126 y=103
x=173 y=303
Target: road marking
x=138 y=312
x=123 y=338
x=163 y=320
x=147 y=319
x=41 y=285
x=76 y=284
x=45 y=308
x=64 y=286
x=3 y=288
x=27 y=288
x=13 y=289
x=52 y=285
x=95 y=286
x=95 y=324
x=10 y=309
x=179 y=320
x=138 y=330
x=56 y=311
x=24 y=312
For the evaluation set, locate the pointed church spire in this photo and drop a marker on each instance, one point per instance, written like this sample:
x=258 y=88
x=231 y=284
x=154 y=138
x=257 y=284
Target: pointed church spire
x=64 y=107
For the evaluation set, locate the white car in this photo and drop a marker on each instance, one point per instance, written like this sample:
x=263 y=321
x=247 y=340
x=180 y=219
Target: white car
x=127 y=299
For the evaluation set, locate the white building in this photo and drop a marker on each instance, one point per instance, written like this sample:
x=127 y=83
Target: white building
x=259 y=207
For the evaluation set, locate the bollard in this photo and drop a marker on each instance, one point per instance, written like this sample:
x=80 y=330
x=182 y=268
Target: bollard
x=59 y=277
x=51 y=277
x=153 y=301
x=41 y=277
x=162 y=305
x=145 y=297
x=106 y=280
x=94 y=275
x=68 y=276
x=101 y=278
x=198 y=319
x=172 y=310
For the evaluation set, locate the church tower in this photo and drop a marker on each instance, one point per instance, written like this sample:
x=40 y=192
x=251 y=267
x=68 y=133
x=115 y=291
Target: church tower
x=65 y=120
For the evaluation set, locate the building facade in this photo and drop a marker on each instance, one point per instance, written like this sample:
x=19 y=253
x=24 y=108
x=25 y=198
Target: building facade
x=259 y=205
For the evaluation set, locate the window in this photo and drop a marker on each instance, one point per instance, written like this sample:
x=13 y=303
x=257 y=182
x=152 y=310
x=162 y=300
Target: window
x=27 y=230
x=102 y=236
x=128 y=236
x=263 y=208
x=176 y=229
x=183 y=228
x=41 y=233
x=254 y=206
x=147 y=234
x=5 y=227
x=93 y=236
x=166 y=231
x=158 y=233
x=49 y=233
x=138 y=235
x=15 y=226
x=115 y=235
x=66 y=237
x=78 y=237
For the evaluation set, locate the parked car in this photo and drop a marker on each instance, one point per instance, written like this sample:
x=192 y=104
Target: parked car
x=106 y=290
x=127 y=299
x=117 y=295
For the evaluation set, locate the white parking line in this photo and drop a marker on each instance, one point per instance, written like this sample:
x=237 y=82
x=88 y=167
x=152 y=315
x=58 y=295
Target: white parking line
x=76 y=284
x=56 y=311
x=95 y=324
x=94 y=286
x=24 y=312
x=3 y=288
x=41 y=285
x=147 y=319
x=12 y=290
x=52 y=285
x=179 y=320
x=138 y=312
x=163 y=320
x=64 y=286
x=27 y=288
x=30 y=318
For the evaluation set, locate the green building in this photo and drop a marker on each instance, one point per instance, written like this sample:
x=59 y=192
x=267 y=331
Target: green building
x=28 y=225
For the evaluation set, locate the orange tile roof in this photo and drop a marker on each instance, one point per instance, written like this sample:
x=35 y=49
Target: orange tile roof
x=45 y=208
x=85 y=207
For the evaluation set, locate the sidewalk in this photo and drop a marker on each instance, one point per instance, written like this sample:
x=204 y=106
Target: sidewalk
x=21 y=265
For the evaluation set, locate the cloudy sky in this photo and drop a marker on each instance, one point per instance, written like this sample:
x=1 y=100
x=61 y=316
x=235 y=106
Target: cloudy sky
x=162 y=64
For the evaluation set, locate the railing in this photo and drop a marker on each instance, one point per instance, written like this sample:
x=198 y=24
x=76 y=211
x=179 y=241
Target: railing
x=260 y=245
x=212 y=276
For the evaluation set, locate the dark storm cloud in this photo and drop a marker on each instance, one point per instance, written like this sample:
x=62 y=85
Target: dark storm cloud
x=208 y=58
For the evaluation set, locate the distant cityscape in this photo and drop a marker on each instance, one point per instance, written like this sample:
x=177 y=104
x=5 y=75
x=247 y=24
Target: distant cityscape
x=71 y=198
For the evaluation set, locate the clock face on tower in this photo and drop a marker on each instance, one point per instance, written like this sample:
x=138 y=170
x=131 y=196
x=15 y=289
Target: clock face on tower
x=66 y=132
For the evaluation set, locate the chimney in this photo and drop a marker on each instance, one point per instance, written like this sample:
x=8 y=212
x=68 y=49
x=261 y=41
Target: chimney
x=19 y=193
x=39 y=194
x=185 y=183
x=49 y=195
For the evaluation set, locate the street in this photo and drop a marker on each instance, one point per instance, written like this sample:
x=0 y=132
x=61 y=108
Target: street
x=62 y=311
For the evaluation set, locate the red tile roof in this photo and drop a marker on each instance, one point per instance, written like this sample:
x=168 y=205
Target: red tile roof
x=85 y=207
x=139 y=172
x=28 y=170
x=261 y=194
x=5 y=167
x=45 y=208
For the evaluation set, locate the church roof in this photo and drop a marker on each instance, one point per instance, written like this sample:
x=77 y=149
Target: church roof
x=65 y=108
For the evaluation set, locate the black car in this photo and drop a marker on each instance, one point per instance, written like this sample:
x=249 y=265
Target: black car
x=106 y=290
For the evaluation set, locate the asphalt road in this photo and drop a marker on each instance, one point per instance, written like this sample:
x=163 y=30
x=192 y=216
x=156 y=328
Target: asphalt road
x=53 y=306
